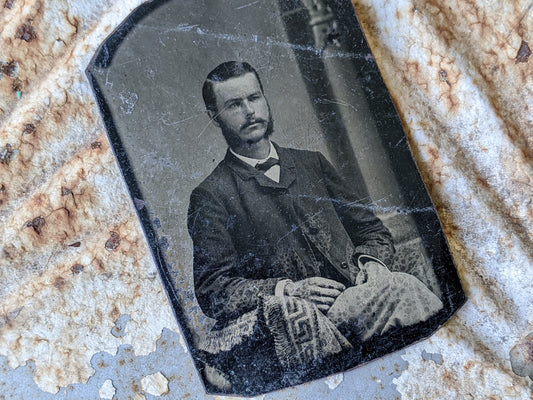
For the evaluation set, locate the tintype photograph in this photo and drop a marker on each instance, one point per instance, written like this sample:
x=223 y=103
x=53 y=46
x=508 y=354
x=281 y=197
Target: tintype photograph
x=275 y=186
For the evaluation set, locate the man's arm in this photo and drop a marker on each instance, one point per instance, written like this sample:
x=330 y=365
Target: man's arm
x=367 y=232
x=221 y=290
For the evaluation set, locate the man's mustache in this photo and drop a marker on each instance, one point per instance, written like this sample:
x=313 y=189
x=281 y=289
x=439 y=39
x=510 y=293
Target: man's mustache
x=252 y=122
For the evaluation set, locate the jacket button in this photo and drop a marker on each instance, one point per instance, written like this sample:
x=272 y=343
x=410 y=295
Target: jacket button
x=313 y=230
x=344 y=265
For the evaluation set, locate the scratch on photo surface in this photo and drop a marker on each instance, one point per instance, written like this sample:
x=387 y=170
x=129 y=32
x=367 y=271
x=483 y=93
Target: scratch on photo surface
x=247 y=5
x=296 y=227
x=373 y=206
x=168 y=123
x=269 y=42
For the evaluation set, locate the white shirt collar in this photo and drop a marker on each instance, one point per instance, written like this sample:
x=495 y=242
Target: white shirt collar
x=254 y=161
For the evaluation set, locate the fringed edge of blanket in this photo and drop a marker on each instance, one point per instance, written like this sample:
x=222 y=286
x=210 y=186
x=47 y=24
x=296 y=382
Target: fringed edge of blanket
x=221 y=340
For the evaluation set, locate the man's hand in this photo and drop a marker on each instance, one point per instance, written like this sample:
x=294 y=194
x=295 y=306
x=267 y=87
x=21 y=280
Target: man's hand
x=320 y=291
x=371 y=271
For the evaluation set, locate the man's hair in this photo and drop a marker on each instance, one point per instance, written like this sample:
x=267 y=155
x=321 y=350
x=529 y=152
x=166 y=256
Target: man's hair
x=225 y=71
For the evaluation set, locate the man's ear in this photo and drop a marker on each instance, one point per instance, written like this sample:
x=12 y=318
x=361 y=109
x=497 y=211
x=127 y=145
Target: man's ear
x=213 y=117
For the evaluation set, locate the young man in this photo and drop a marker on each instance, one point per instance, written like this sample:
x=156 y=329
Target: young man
x=286 y=256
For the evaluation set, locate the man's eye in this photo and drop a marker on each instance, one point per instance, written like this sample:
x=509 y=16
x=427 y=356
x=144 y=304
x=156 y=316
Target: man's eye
x=255 y=97
x=233 y=105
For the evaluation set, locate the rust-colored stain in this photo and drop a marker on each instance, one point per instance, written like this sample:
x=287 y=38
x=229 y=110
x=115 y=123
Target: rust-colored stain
x=469 y=365
x=524 y=52
x=60 y=283
x=115 y=313
x=135 y=387
x=26 y=31
x=466 y=28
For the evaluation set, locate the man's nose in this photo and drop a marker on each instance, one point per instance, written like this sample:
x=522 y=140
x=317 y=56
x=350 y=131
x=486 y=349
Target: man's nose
x=248 y=108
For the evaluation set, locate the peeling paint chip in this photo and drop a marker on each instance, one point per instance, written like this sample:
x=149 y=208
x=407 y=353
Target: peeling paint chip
x=435 y=357
x=139 y=204
x=37 y=224
x=77 y=269
x=6 y=154
x=523 y=53
x=113 y=242
x=522 y=357
x=119 y=330
x=29 y=129
x=107 y=391
x=17 y=85
x=155 y=384
x=2 y=193
x=10 y=316
x=334 y=380
x=26 y=32
x=9 y=69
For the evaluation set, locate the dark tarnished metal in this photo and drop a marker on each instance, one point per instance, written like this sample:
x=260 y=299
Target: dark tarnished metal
x=325 y=94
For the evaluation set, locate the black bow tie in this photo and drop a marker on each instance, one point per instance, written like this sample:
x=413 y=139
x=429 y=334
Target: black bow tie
x=265 y=166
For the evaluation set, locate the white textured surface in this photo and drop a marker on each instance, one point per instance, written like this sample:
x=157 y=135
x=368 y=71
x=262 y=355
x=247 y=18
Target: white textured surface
x=466 y=105
x=67 y=317
x=472 y=137
x=155 y=384
x=107 y=391
x=334 y=380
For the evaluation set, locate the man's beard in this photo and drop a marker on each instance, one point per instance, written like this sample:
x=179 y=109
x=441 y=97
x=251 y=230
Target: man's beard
x=234 y=141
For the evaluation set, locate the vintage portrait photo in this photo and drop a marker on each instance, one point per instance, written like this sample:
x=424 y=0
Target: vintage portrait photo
x=275 y=185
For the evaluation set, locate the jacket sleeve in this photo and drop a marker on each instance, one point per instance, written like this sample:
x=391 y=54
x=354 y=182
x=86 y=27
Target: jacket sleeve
x=221 y=290
x=367 y=232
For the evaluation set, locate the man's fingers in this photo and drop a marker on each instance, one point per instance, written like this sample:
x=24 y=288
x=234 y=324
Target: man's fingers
x=321 y=300
x=324 y=292
x=326 y=283
x=323 y=308
x=316 y=286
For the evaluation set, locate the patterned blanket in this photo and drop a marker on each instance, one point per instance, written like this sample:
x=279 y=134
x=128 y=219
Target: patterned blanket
x=292 y=334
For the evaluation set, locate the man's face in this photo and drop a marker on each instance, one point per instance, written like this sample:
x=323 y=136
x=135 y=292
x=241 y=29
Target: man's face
x=243 y=113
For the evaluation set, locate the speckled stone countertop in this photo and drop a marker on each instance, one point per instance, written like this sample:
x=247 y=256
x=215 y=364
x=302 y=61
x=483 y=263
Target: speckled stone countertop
x=83 y=312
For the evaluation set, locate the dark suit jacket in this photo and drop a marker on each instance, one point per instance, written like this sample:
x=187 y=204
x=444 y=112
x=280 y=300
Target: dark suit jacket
x=250 y=232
